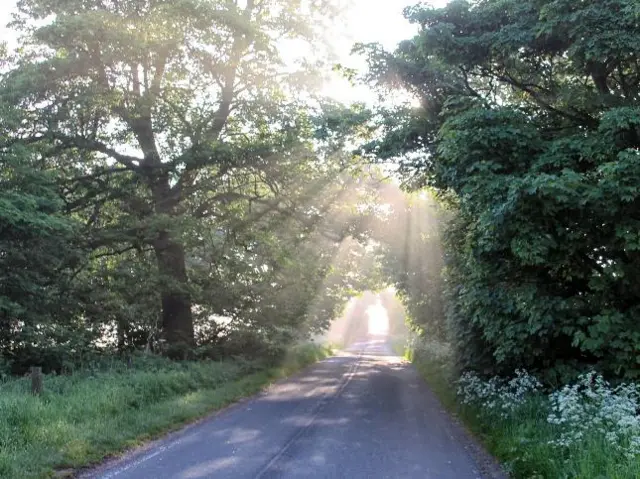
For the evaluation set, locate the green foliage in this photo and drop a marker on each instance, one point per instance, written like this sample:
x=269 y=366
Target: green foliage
x=37 y=252
x=530 y=118
x=84 y=417
x=413 y=259
x=166 y=184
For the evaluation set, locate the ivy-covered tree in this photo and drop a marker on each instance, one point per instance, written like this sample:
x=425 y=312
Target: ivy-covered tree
x=530 y=116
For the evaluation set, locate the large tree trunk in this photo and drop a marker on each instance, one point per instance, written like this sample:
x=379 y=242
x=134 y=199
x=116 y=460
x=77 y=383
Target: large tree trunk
x=177 y=318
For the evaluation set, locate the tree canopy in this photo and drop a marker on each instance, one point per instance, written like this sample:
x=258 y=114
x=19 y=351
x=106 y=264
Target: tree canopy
x=169 y=177
x=172 y=180
x=529 y=128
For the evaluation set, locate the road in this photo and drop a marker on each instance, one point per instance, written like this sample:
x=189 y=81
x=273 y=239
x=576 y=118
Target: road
x=364 y=413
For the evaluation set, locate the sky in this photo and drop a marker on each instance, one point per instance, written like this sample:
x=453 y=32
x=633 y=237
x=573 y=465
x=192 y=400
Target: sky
x=366 y=21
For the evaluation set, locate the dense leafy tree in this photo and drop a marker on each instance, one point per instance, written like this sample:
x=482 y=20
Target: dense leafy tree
x=37 y=251
x=530 y=117
x=169 y=124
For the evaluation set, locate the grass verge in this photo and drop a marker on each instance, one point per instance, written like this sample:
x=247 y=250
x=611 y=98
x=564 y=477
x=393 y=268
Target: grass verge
x=83 y=418
x=522 y=441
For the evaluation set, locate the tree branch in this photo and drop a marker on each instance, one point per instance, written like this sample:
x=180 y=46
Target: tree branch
x=130 y=162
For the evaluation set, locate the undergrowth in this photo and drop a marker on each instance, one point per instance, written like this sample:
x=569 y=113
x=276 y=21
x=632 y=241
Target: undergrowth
x=85 y=417
x=587 y=430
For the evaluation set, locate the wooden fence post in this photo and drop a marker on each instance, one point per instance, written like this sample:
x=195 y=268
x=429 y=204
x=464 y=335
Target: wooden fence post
x=36 y=380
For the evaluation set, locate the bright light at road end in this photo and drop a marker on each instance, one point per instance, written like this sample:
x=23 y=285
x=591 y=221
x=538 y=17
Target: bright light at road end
x=378 y=319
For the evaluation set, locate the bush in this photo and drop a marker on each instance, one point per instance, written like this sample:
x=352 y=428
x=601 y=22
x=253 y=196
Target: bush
x=244 y=343
x=497 y=395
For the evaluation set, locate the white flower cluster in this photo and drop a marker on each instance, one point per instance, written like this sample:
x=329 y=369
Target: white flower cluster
x=497 y=395
x=588 y=409
x=592 y=407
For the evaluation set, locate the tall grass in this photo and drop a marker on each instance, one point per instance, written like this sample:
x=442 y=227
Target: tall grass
x=519 y=433
x=82 y=418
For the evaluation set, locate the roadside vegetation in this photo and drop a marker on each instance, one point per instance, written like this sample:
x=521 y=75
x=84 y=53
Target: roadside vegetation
x=587 y=429
x=526 y=127
x=174 y=185
x=86 y=416
x=168 y=185
x=178 y=209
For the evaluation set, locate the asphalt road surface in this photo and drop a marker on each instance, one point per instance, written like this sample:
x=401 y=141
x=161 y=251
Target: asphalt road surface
x=364 y=413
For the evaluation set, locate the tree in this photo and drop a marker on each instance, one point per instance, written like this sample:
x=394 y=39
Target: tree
x=530 y=118
x=37 y=252
x=158 y=113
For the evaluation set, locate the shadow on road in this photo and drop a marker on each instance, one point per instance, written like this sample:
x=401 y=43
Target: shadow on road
x=362 y=413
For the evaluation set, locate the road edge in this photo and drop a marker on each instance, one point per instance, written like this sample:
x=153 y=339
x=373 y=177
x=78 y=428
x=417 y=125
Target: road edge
x=172 y=434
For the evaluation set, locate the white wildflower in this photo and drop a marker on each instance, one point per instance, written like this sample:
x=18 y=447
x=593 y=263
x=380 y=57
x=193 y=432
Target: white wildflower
x=499 y=395
x=592 y=407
